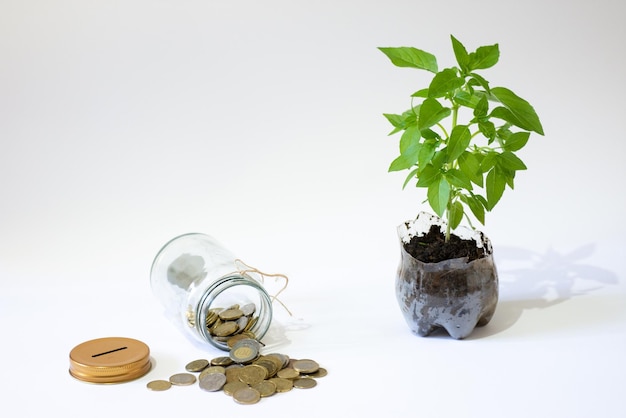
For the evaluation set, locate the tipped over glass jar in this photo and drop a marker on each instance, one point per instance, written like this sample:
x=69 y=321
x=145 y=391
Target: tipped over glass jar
x=208 y=293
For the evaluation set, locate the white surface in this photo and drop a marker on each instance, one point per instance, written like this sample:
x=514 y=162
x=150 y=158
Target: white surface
x=126 y=123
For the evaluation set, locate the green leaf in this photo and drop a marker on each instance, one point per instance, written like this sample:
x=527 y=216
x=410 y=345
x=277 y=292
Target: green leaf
x=466 y=99
x=396 y=120
x=482 y=200
x=404 y=121
x=421 y=93
x=409 y=142
x=510 y=161
x=458 y=178
x=430 y=134
x=440 y=158
x=431 y=112
x=489 y=161
x=504 y=131
x=427 y=152
x=495 y=184
x=411 y=57
x=438 y=195
x=482 y=107
x=488 y=129
x=506 y=115
x=509 y=177
x=520 y=108
x=409 y=150
x=460 y=138
x=516 y=141
x=478 y=80
x=399 y=164
x=444 y=82
x=427 y=176
x=462 y=58
x=456 y=215
x=469 y=164
x=484 y=57
x=475 y=206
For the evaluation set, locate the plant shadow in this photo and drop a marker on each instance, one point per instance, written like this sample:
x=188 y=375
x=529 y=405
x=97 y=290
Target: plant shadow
x=530 y=280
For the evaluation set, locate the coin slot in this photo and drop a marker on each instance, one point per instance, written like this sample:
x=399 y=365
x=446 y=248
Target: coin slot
x=109 y=352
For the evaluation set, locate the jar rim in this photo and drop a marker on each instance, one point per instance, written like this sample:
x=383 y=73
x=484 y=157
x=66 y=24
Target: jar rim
x=264 y=312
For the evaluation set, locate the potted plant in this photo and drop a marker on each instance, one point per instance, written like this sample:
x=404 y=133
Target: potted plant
x=458 y=140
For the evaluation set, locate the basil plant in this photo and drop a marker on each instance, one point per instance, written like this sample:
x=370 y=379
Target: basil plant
x=460 y=136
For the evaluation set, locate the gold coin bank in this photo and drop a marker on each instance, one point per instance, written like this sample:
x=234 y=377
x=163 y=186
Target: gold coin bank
x=207 y=293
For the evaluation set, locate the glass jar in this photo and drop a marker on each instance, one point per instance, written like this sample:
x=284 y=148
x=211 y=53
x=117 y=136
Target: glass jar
x=195 y=278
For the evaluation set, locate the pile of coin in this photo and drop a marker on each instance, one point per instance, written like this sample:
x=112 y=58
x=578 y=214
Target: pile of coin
x=224 y=324
x=246 y=374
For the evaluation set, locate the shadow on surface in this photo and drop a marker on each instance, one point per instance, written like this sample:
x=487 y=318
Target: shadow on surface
x=529 y=280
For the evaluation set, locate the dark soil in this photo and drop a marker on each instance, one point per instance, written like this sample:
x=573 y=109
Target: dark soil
x=432 y=248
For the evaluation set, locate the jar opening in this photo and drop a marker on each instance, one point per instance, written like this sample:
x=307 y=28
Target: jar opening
x=234 y=304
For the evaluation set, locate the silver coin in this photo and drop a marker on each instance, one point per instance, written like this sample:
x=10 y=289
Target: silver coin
x=182 y=379
x=212 y=382
x=242 y=323
x=248 y=309
x=305 y=366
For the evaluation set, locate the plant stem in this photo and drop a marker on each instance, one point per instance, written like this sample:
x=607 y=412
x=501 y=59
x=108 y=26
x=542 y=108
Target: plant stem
x=447 y=224
x=455 y=114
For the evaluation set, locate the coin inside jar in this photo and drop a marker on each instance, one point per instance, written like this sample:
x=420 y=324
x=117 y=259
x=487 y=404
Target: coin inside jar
x=226 y=328
x=224 y=324
x=248 y=309
x=230 y=314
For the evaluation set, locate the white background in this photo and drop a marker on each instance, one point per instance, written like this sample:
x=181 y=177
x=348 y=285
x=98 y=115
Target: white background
x=126 y=123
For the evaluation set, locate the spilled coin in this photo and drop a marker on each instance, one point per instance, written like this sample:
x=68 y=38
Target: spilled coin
x=182 y=379
x=247 y=396
x=159 y=385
